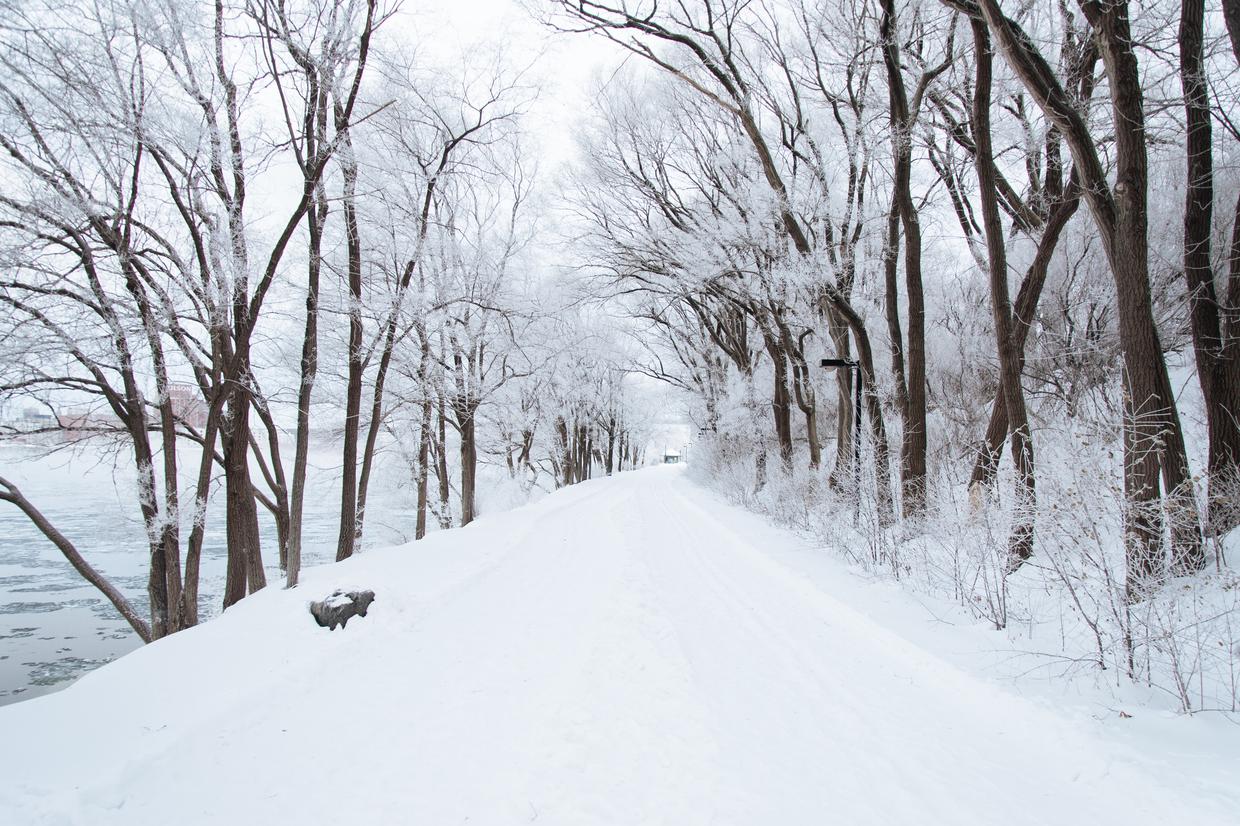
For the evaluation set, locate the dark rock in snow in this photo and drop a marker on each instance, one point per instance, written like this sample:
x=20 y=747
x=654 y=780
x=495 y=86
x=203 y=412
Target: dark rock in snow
x=338 y=608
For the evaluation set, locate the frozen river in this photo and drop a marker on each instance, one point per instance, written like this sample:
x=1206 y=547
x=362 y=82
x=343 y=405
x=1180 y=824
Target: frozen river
x=53 y=625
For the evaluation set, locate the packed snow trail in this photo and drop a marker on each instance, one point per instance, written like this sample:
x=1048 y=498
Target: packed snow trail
x=619 y=653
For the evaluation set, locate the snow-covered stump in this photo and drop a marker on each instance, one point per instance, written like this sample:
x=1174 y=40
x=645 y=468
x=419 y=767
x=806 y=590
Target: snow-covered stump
x=340 y=607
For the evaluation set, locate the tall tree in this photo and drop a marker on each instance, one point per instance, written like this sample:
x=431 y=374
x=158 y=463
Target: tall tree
x=1154 y=439
x=1010 y=361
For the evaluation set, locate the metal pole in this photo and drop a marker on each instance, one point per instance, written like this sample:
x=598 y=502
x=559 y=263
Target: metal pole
x=857 y=440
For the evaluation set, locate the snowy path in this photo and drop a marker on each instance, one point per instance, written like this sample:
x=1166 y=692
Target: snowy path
x=620 y=653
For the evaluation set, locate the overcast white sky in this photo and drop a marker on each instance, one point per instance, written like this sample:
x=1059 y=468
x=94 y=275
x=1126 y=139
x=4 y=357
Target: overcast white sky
x=565 y=64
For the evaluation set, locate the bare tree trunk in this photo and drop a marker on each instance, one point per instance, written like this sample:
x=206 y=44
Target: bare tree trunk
x=202 y=491
x=1218 y=357
x=441 y=466
x=810 y=411
x=1020 y=546
x=1158 y=438
x=424 y=434
x=807 y=402
x=1231 y=16
x=611 y=445
x=372 y=432
x=781 y=402
x=525 y=460
x=913 y=443
x=272 y=469
x=841 y=471
x=583 y=453
x=156 y=586
x=315 y=217
x=469 y=463
x=245 y=566
x=347 y=539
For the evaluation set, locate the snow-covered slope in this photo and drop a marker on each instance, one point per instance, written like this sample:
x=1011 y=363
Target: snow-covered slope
x=626 y=651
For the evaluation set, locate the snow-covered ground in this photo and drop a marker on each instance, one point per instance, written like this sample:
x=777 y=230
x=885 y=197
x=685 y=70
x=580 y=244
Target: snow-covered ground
x=626 y=651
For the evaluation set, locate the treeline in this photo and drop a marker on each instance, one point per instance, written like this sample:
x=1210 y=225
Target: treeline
x=899 y=185
x=230 y=226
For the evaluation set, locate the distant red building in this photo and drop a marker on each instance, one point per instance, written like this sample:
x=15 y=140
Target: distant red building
x=187 y=405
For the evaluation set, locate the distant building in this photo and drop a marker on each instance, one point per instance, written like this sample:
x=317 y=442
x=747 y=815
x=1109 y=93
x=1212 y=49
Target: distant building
x=187 y=405
x=38 y=419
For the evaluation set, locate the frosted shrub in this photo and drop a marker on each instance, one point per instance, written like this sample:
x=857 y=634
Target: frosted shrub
x=1188 y=634
x=964 y=553
x=1081 y=552
x=727 y=465
x=1222 y=512
x=791 y=497
x=1182 y=639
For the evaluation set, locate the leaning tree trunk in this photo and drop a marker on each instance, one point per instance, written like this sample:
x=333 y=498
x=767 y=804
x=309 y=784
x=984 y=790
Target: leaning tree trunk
x=12 y=494
x=1157 y=437
x=1061 y=204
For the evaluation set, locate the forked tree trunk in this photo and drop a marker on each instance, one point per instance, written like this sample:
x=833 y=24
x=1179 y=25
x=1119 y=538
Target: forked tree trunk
x=1061 y=204
x=986 y=466
x=202 y=492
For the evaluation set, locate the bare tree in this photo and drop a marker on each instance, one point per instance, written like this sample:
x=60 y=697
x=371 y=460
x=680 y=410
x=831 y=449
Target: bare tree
x=1154 y=439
